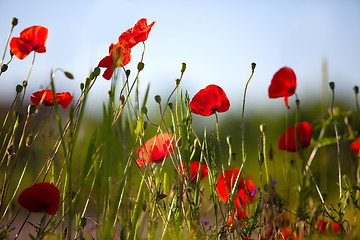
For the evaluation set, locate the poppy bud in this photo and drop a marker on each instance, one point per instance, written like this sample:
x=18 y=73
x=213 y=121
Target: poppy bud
x=69 y=75
x=170 y=106
x=183 y=67
x=253 y=65
x=127 y=72
x=263 y=128
x=29 y=140
x=14 y=21
x=4 y=67
x=144 y=110
x=83 y=222
x=356 y=89
x=122 y=99
x=145 y=125
x=25 y=83
x=332 y=86
x=140 y=66
x=82 y=85
x=348 y=120
x=19 y=88
x=31 y=109
x=96 y=71
x=91 y=76
x=11 y=53
x=87 y=82
x=228 y=140
x=233 y=156
x=297 y=101
x=158 y=99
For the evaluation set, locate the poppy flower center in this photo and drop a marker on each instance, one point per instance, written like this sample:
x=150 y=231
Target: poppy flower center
x=214 y=109
x=291 y=90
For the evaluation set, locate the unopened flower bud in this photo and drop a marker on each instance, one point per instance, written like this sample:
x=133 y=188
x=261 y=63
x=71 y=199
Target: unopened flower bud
x=14 y=21
x=25 y=83
x=10 y=150
x=122 y=99
x=83 y=222
x=69 y=75
x=91 y=76
x=183 y=67
x=145 y=125
x=140 y=66
x=31 y=109
x=87 y=82
x=29 y=140
x=332 y=86
x=356 y=89
x=82 y=85
x=4 y=67
x=233 y=156
x=177 y=81
x=96 y=71
x=229 y=140
x=19 y=88
x=170 y=106
x=263 y=128
x=253 y=65
x=144 y=110
x=158 y=99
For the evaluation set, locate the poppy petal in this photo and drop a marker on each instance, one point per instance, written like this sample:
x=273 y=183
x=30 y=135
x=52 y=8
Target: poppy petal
x=304 y=134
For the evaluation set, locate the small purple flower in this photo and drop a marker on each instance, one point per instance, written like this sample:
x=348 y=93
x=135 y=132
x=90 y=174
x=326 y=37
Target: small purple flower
x=206 y=223
x=254 y=192
x=273 y=181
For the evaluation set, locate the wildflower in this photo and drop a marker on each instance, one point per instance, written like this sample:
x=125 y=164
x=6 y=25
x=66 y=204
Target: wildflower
x=283 y=84
x=139 y=33
x=355 y=146
x=31 y=39
x=237 y=216
x=241 y=197
x=194 y=169
x=210 y=100
x=155 y=149
x=119 y=56
x=40 y=197
x=303 y=137
x=325 y=226
x=46 y=97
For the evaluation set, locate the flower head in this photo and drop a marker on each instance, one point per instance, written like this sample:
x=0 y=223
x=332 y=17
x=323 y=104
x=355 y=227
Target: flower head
x=283 y=84
x=139 y=33
x=241 y=197
x=155 y=149
x=119 y=56
x=209 y=100
x=303 y=137
x=40 y=197
x=194 y=170
x=31 y=39
x=355 y=146
x=325 y=226
x=46 y=97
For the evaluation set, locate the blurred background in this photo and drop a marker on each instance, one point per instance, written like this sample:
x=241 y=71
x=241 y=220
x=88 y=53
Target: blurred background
x=218 y=40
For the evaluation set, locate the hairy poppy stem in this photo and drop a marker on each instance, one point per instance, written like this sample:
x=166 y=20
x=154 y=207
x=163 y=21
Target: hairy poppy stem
x=7 y=43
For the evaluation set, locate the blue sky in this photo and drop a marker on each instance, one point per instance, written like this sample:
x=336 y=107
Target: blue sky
x=217 y=39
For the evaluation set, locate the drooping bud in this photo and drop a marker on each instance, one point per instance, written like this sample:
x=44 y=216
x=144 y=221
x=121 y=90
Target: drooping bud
x=263 y=128
x=332 y=86
x=127 y=72
x=356 y=89
x=229 y=140
x=170 y=106
x=177 y=81
x=25 y=83
x=69 y=75
x=29 y=140
x=14 y=21
x=4 y=67
x=82 y=85
x=158 y=99
x=19 y=88
x=183 y=67
x=140 y=66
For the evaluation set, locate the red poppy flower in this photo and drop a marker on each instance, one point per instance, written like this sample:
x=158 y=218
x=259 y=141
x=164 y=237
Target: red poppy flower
x=31 y=39
x=355 y=146
x=40 y=197
x=119 y=56
x=210 y=100
x=155 y=149
x=194 y=169
x=241 y=197
x=287 y=140
x=325 y=226
x=238 y=215
x=46 y=97
x=283 y=84
x=139 y=33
